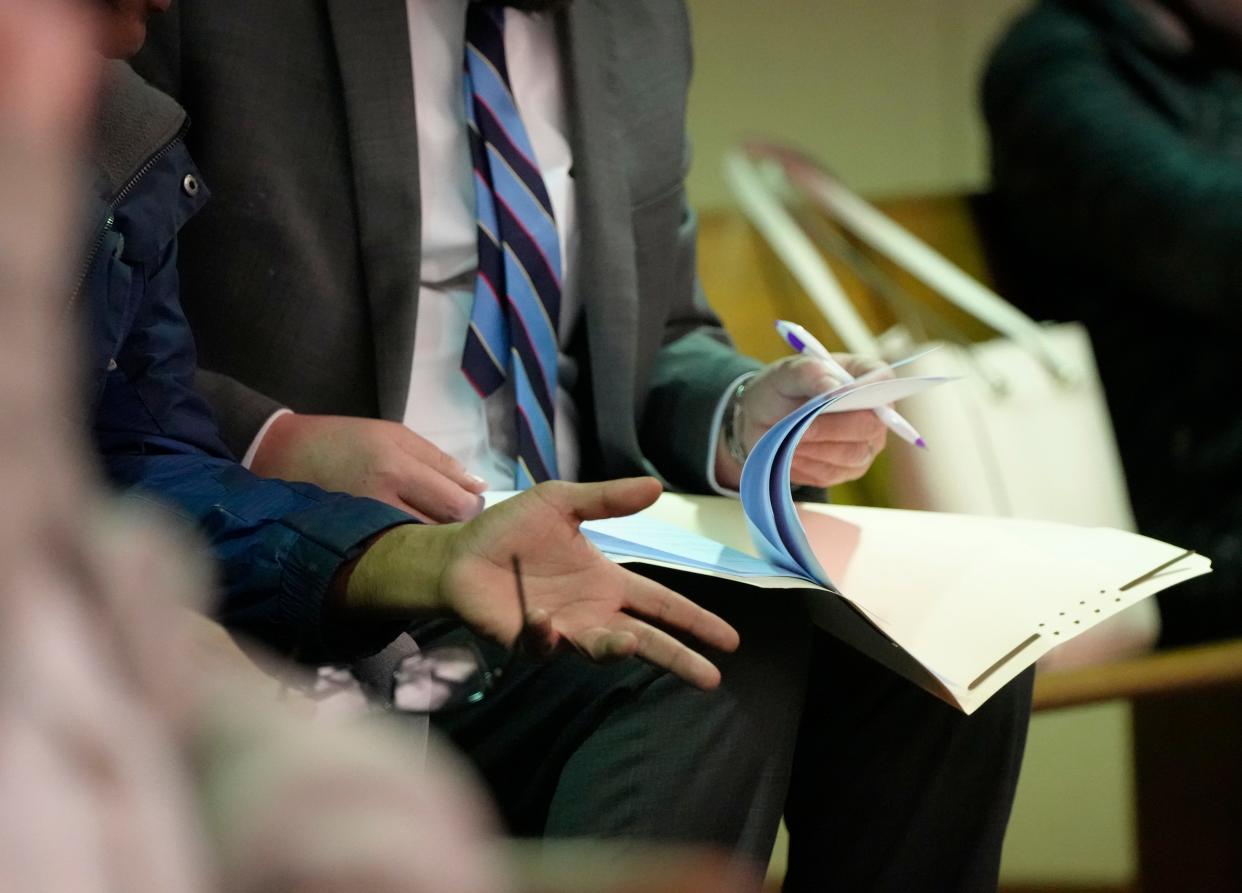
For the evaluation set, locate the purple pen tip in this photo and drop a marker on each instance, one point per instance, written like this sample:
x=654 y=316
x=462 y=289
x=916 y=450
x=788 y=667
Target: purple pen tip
x=921 y=443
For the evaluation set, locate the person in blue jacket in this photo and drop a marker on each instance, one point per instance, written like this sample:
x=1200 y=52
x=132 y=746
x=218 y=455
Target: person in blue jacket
x=322 y=576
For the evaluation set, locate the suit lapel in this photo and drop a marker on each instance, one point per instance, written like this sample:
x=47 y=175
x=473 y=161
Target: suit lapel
x=373 y=51
x=607 y=278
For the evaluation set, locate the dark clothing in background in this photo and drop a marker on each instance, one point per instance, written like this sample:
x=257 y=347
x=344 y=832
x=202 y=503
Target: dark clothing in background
x=277 y=545
x=1117 y=164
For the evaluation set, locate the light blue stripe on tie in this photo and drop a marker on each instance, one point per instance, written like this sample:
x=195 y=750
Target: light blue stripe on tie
x=521 y=476
x=540 y=429
x=498 y=98
x=527 y=211
x=533 y=314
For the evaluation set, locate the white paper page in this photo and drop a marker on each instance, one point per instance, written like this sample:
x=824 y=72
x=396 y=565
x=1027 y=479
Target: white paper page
x=960 y=592
x=874 y=394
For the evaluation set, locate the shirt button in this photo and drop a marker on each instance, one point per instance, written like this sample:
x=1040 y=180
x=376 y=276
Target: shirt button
x=112 y=365
x=190 y=185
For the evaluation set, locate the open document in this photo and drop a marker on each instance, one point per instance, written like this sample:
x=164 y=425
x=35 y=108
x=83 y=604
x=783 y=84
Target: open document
x=957 y=604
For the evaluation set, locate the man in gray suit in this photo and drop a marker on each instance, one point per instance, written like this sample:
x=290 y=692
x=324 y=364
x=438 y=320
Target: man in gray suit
x=332 y=277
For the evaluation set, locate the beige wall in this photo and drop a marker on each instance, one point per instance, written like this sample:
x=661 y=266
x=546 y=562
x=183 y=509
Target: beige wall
x=1074 y=819
x=885 y=92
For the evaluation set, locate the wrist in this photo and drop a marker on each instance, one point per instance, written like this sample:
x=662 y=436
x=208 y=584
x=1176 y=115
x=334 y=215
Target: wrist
x=401 y=572
x=731 y=424
x=272 y=442
x=731 y=450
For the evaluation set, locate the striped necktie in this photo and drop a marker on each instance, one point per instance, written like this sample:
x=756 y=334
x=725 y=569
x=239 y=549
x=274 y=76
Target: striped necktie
x=517 y=293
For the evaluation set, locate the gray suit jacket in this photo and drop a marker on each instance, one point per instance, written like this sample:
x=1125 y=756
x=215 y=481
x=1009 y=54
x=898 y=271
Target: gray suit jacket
x=301 y=277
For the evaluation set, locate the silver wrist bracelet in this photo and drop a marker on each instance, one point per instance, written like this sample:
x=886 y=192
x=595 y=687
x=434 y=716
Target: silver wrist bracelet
x=732 y=423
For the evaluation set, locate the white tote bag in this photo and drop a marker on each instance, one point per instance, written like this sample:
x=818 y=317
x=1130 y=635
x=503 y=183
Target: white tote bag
x=1024 y=433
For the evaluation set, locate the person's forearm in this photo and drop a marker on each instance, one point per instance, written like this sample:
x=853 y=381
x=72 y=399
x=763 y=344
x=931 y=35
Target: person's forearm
x=681 y=418
x=416 y=555
x=278 y=547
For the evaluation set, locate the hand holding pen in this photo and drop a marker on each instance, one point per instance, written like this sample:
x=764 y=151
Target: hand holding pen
x=836 y=448
x=805 y=343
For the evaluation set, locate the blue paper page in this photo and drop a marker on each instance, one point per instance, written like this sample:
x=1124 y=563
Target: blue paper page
x=759 y=476
x=646 y=538
x=785 y=514
x=766 y=498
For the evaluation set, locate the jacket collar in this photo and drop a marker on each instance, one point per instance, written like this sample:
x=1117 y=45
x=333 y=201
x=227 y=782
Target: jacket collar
x=134 y=123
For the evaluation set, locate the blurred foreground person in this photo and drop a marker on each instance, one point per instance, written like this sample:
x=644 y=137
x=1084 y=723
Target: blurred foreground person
x=1116 y=132
x=136 y=751
x=123 y=736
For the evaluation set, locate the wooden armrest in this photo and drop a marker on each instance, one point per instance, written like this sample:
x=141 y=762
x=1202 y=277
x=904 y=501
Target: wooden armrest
x=1162 y=673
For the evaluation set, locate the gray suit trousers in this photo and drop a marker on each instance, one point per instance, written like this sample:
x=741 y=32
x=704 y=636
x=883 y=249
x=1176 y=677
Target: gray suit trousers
x=884 y=788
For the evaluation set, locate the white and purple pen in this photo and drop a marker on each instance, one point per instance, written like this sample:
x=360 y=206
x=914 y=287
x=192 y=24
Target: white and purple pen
x=804 y=342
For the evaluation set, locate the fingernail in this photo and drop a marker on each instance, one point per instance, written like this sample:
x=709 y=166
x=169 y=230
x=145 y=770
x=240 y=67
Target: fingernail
x=476 y=480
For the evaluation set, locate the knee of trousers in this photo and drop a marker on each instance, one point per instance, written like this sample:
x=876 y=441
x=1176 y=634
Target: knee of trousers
x=763 y=683
x=775 y=629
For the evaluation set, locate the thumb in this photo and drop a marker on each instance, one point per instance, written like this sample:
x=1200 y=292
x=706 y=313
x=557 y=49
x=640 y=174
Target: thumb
x=612 y=499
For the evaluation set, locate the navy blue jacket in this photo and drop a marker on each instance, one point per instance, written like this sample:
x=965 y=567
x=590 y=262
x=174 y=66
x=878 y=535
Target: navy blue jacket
x=278 y=545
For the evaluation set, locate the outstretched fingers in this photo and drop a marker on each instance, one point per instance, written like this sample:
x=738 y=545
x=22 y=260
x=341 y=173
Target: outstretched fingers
x=659 y=648
x=605 y=646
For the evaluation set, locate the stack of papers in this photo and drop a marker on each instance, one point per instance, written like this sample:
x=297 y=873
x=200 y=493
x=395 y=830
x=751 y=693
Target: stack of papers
x=957 y=604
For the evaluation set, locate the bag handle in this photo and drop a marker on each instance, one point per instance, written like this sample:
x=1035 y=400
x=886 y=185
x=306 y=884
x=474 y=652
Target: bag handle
x=764 y=205
x=764 y=178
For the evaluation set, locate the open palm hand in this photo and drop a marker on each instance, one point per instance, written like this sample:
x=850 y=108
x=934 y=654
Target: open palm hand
x=575 y=597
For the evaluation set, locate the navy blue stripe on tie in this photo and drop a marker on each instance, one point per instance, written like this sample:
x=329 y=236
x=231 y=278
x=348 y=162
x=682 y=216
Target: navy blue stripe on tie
x=529 y=450
x=485 y=378
x=491 y=260
x=485 y=29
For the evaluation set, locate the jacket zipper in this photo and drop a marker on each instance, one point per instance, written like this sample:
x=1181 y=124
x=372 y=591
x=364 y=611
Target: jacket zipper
x=112 y=206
